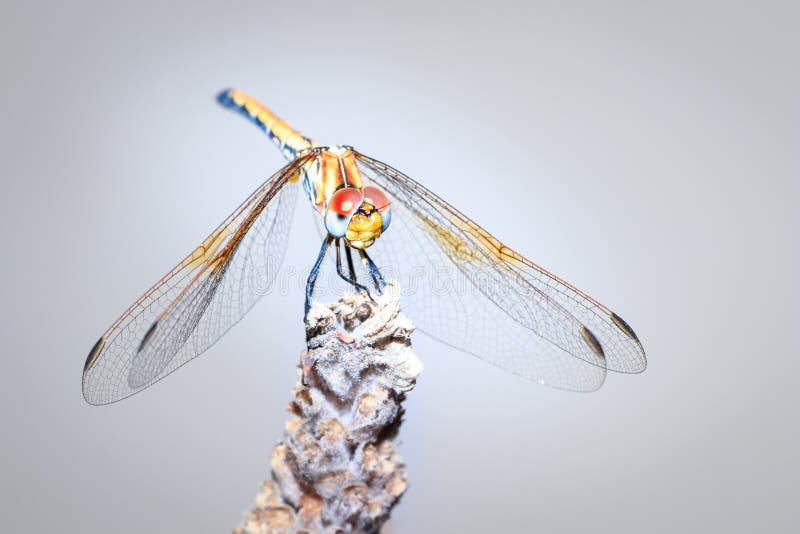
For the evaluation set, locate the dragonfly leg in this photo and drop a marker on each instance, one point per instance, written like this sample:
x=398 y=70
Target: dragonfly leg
x=340 y=271
x=312 y=276
x=349 y=256
x=374 y=272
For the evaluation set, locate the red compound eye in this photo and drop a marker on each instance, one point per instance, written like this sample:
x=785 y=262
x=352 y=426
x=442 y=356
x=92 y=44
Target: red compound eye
x=345 y=201
x=375 y=196
x=341 y=207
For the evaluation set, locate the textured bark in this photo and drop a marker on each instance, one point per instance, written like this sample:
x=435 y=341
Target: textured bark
x=336 y=469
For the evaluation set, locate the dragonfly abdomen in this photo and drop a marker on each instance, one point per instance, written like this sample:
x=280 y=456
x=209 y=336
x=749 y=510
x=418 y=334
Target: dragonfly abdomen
x=288 y=140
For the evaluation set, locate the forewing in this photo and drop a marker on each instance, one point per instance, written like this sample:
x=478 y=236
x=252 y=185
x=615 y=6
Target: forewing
x=200 y=299
x=473 y=292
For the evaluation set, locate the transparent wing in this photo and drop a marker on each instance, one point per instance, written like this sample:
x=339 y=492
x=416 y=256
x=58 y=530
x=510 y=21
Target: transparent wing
x=469 y=290
x=200 y=299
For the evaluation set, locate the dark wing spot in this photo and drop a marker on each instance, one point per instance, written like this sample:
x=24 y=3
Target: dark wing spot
x=94 y=353
x=592 y=342
x=147 y=336
x=625 y=327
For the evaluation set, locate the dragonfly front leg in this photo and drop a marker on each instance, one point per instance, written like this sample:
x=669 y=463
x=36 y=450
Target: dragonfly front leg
x=340 y=271
x=374 y=272
x=312 y=276
x=350 y=266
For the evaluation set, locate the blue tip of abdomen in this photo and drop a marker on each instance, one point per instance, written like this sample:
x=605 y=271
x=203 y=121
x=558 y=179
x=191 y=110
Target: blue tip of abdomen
x=224 y=98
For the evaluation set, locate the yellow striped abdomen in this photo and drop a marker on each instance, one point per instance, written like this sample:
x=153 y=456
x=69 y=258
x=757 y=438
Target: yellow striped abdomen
x=288 y=140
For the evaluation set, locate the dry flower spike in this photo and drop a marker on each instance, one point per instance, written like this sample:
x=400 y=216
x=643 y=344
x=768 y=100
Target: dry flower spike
x=336 y=469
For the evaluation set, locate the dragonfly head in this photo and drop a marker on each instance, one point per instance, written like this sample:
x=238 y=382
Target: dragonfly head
x=359 y=216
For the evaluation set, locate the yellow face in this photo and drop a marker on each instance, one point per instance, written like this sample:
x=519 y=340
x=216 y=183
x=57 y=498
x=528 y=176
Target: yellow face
x=364 y=227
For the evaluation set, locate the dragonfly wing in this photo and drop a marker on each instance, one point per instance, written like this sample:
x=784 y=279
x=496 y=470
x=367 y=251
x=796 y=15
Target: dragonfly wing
x=200 y=299
x=497 y=304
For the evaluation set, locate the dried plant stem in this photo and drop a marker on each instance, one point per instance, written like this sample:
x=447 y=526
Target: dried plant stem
x=336 y=469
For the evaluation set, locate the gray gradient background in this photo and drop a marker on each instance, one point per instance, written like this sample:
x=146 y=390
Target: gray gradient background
x=647 y=154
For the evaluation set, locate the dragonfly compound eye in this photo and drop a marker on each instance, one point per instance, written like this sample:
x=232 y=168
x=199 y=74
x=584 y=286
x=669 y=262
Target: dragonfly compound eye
x=341 y=207
x=375 y=196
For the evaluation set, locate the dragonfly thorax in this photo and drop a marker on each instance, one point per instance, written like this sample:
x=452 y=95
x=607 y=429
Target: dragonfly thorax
x=352 y=211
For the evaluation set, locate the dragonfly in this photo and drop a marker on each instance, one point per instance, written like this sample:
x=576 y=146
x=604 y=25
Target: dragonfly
x=469 y=290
